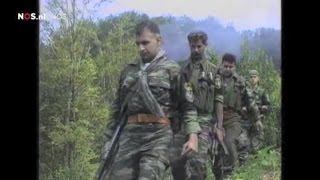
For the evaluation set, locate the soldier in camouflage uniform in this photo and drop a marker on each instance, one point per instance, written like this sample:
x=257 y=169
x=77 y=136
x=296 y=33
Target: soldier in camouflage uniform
x=255 y=130
x=207 y=88
x=150 y=90
x=236 y=95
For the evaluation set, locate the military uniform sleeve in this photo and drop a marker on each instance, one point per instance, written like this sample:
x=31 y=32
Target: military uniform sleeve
x=184 y=96
x=218 y=89
x=265 y=98
x=249 y=101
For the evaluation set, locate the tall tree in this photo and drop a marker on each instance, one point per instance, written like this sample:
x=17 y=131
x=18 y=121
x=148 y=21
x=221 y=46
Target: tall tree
x=72 y=112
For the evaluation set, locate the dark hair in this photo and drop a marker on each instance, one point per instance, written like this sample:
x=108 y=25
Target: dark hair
x=198 y=35
x=229 y=58
x=152 y=26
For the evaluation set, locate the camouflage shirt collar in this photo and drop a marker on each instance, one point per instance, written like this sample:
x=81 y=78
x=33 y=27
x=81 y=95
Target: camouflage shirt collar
x=202 y=62
x=236 y=76
x=160 y=55
x=256 y=89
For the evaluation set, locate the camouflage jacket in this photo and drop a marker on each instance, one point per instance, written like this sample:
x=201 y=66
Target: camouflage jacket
x=166 y=85
x=261 y=97
x=206 y=82
x=237 y=94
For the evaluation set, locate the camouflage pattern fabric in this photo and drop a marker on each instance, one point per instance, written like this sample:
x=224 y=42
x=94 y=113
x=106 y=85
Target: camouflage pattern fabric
x=257 y=137
x=234 y=135
x=261 y=97
x=206 y=83
x=167 y=86
x=195 y=166
x=207 y=88
x=144 y=148
x=236 y=95
x=243 y=146
x=143 y=153
x=176 y=161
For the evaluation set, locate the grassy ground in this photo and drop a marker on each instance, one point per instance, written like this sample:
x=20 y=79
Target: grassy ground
x=265 y=165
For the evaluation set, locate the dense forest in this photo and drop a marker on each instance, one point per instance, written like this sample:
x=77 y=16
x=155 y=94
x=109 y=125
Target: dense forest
x=80 y=60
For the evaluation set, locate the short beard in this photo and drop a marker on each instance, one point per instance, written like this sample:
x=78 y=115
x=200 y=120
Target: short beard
x=227 y=75
x=196 y=58
x=148 y=59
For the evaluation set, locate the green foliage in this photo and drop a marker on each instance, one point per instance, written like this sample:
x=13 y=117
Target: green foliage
x=270 y=80
x=72 y=119
x=79 y=138
x=118 y=49
x=266 y=164
x=213 y=57
x=80 y=63
x=72 y=113
x=267 y=39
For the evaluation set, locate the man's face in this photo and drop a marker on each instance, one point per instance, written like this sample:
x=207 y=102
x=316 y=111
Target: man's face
x=228 y=68
x=254 y=79
x=148 y=44
x=197 y=49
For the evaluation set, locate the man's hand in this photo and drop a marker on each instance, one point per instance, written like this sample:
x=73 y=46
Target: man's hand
x=244 y=109
x=264 y=109
x=191 y=146
x=259 y=125
x=220 y=134
x=244 y=112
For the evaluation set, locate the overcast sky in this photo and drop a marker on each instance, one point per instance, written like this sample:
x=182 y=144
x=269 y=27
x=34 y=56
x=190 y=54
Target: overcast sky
x=243 y=14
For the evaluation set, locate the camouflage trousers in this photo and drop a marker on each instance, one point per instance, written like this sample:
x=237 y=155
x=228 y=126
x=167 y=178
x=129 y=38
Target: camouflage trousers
x=143 y=152
x=256 y=138
x=194 y=167
x=236 y=141
x=176 y=161
x=243 y=146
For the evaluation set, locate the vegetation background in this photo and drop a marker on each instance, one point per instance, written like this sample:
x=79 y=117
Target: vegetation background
x=80 y=59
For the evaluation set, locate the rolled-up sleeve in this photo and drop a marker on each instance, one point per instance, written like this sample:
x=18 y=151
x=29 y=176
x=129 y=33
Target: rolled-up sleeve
x=185 y=97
